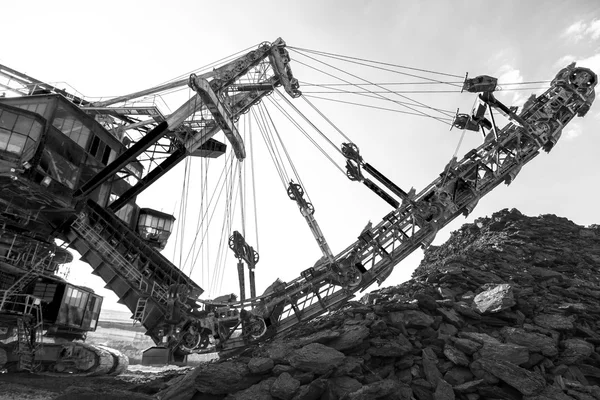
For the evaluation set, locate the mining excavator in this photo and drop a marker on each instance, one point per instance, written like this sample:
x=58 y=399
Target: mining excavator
x=71 y=169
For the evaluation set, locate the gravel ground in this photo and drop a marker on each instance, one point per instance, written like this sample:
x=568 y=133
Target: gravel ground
x=128 y=386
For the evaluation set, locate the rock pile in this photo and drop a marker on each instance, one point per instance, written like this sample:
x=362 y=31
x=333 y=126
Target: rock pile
x=508 y=309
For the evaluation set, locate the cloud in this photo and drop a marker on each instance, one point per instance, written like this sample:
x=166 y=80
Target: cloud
x=564 y=61
x=592 y=62
x=583 y=30
x=594 y=29
x=575 y=31
x=573 y=131
x=508 y=76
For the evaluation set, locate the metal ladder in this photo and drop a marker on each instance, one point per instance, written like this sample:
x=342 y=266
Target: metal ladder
x=115 y=259
x=24 y=347
x=26 y=344
x=21 y=283
x=140 y=311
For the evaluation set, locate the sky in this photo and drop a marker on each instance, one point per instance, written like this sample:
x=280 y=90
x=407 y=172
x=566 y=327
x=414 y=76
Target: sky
x=118 y=47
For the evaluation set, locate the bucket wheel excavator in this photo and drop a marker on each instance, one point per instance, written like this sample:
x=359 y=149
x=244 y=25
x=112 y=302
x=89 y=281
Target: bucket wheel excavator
x=83 y=193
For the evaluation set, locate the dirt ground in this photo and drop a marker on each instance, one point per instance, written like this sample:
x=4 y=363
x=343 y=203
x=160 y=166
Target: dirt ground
x=133 y=385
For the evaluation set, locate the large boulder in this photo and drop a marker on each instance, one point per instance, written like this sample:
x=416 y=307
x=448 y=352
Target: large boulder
x=535 y=342
x=337 y=388
x=505 y=351
x=284 y=387
x=495 y=299
x=557 y=322
x=410 y=319
x=527 y=382
x=316 y=358
x=212 y=378
x=260 y=365
x=350 y=336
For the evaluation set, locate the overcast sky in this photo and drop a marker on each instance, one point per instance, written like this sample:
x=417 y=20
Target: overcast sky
x=116 y=47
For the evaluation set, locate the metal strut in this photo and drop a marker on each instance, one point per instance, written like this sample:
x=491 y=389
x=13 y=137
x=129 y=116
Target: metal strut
x=244 y=252
x=296 y=193
x=354 y=166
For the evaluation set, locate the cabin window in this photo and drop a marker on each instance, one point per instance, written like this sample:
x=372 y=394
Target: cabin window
x=95 y=145
x=100 y=150
x=7 y=120
x=45 y=291
x=37 y=106
x=96 y=303
x=155 y=228
x=23 y=125
x=76 y=297
x=71 y=125
x=16 y=143
x=18 y=133
x=61 y=159
x=106 y=155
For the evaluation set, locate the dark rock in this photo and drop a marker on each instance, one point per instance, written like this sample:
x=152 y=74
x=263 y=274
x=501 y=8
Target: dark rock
x=350 y=336
x=443 y=391
x=576 y=350
x=339 y=387
x=260 y=391
x=212 y=378
x=458 y=376
x=316 y=358
x=284 y=387
x=378 y=327
x=375 y=390
x=550 y=393
x=451 y=316
x=406 y=362
x=319 y=337
x=426 y=302
x=456 y=356
x=312 y=391
x=481 y=374
x=465 y=310
x=481 y=338
x=524 y=381
x=260 y=365
x=411 y=319
x=447 y=330
x=404 y=376
x=278 y=351
x=469 y=387
x=351 y=366
x=432 y=374
x=466 y=345
x=422 y=389
x=590 y=370
x=304 y=377
x=505 y=351
x=575 y=374
x=534 y=359
x=281 y=368
x=388 y=348
x=554 y=321
x=504 y=392
x=535 y=342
